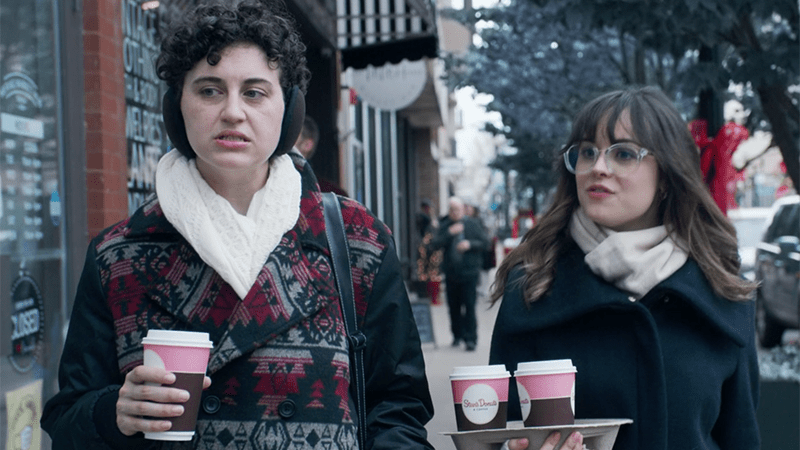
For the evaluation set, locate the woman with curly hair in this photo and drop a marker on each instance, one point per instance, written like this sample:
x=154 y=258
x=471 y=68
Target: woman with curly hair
x=233 y=243
x=633 y=275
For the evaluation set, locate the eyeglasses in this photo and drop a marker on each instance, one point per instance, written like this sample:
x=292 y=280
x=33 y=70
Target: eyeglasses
x=621 y=159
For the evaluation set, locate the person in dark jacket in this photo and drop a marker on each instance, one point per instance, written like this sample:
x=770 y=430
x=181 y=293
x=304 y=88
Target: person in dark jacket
x=633 y=275
x=234 y=244
x=307 y=146
x=463 y=241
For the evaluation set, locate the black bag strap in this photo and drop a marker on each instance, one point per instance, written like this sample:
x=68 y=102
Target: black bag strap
x=340 y=254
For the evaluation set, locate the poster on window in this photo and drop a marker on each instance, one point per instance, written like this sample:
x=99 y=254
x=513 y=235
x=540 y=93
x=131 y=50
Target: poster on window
x=24 y=410
x=144 y=127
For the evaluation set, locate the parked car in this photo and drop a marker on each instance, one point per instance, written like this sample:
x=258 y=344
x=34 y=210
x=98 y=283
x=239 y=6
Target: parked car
x=749 y=224
x=778 y=270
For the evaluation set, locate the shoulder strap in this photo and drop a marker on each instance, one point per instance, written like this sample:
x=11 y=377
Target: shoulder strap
x=340 y=254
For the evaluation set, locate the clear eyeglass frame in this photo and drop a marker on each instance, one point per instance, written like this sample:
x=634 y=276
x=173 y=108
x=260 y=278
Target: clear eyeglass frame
x=622 y=158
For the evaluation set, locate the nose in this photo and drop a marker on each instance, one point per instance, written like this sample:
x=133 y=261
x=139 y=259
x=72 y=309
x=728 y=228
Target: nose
x=600 y=165
x=233 y=110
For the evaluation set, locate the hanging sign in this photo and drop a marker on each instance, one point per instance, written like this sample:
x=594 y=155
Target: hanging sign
x=27 y=323
x=391 y=86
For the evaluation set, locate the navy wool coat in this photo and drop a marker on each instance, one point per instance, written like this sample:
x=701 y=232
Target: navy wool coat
x=279 y=367
x=681 y=362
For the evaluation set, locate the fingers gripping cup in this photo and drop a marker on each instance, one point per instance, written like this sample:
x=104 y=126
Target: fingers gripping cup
x=546 y=392
x=480 y=394
x=184 y=353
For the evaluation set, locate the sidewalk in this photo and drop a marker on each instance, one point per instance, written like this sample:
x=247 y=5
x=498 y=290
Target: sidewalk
x=441 y=358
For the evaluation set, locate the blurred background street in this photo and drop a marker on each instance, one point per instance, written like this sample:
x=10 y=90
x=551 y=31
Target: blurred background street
x=415 y=101
x=440 y=358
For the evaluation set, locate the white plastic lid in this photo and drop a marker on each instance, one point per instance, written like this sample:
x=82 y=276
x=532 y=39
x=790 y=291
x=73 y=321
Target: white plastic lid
x=476 y=372
x=177 y=338
x=545 y=367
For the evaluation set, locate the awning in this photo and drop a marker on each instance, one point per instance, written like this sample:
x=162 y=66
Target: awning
x=374 y=32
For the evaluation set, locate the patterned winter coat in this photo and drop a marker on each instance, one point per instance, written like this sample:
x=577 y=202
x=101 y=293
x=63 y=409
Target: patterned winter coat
x=279 y=366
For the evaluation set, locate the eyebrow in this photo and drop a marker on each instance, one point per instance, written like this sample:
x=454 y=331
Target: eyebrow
x=615 y=141
x=218 y=80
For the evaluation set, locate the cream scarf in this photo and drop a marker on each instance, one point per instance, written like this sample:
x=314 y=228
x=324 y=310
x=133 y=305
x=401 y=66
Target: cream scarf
x=234 y=245
x=634 y=261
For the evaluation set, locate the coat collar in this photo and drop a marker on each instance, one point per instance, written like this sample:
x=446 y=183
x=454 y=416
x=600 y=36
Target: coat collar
x=588 y=293
x=295 y=282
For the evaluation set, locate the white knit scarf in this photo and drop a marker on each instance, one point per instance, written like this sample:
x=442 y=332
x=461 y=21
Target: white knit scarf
x=634 y=261
x=234 y=245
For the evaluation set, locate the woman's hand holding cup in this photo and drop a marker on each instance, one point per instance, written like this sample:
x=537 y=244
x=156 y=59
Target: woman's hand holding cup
x=574 y=442
x=142 y=395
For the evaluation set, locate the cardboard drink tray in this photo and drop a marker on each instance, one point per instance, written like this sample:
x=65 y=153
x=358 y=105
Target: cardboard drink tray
x=598 y=434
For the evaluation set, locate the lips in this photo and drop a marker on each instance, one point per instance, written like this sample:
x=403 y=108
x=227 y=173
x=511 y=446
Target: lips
x=598 y=189
x=232 y=136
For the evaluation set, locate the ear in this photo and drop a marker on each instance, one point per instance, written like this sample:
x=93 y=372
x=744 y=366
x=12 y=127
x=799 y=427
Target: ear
x=292 y=123
x=173 y=123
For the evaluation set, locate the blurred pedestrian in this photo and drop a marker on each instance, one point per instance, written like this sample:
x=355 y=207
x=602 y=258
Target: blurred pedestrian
x=307 y=146
x=463 y=241
x=426 y=220
x=489 y=257
x=234 y=244
x=633 y=274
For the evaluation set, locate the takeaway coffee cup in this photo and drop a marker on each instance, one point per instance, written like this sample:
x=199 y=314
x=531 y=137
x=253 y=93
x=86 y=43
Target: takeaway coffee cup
x=184 y=353
x=546 y=392
x=480 y=395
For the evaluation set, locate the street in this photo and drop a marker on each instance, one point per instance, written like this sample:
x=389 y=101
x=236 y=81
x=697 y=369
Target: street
x=441 y=358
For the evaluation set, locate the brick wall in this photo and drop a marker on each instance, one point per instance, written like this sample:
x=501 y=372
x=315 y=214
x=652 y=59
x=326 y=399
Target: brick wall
x=106 y=156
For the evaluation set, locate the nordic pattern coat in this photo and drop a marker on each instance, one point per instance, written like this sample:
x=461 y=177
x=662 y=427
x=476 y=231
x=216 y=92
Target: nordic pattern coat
x=681 y=362
x=280 y=365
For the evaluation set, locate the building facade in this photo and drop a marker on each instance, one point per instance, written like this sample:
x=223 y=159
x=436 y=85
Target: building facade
x=81 y=135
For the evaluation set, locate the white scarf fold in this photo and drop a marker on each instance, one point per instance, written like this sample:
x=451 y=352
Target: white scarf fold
x=234 y=245
x=634 y=261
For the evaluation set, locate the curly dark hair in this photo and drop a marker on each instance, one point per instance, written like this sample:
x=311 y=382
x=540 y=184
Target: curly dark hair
x=211 y=28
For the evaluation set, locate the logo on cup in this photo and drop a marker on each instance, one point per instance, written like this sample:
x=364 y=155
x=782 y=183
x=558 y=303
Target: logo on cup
x=480 y=404
x=524 y=401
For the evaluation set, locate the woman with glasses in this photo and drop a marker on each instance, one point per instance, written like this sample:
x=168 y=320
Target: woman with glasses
x=632 y=274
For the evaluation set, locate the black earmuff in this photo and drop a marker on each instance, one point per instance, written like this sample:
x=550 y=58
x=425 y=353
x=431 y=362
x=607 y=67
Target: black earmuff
x=173 y=123
x=291 y=125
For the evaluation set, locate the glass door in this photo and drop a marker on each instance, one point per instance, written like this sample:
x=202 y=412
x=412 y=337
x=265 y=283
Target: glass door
x=31 y=218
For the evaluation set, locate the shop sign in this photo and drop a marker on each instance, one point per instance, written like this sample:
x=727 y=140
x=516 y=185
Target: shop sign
x=391 y=87
x=27 y=323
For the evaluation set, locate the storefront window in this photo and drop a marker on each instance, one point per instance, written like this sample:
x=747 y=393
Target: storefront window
x=31 y=225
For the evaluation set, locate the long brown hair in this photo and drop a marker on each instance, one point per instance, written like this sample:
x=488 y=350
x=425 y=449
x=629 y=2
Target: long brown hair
x=688 y=211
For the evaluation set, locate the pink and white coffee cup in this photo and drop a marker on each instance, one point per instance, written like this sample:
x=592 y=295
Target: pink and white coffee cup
x=546 y=392
x=480 y=396
x=184 y=353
